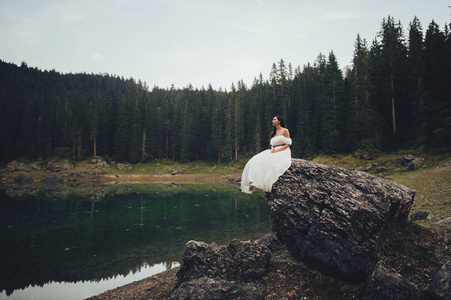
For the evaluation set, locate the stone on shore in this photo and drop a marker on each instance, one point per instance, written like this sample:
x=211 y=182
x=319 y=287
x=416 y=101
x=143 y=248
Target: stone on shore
x=386 y=284
x=239 y=261
x=440 y=287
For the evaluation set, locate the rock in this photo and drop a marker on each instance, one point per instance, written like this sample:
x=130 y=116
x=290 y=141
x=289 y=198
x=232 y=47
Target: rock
x=240 y=261
x=415 y=164
x=177 y=172
x=381 y=169
x=334 y=219
x=444 y=221
x=57 y=166
x=209 y=288
x=18 y=166
x=407 y=159
x=412 y=162
x=98 y=172
x=386 y=284
x=235 y=180
x=100 y=162
x=363 y=154
x=270 y=241
x=122 y=167
x=365 y=168
x=440 y=287
x=52 y=180
x=420 y=215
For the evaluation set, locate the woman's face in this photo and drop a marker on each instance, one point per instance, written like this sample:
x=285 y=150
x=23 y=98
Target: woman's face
x=275 y=121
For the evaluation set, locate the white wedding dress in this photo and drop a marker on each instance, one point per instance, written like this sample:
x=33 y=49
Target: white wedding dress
x=263 y=169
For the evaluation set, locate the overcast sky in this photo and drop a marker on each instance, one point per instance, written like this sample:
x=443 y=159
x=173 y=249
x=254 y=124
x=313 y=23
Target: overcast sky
x=165 y=42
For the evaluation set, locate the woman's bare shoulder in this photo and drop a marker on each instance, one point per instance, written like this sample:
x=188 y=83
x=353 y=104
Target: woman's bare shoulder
x=286 y=133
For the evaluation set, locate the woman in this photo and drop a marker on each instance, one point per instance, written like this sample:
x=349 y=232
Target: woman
x=264 y=169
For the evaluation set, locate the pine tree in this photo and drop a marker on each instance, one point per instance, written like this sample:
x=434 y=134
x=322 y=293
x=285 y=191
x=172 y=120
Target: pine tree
x=94 y=118
x=435 y=81
x=416 y=72
x=394 y=54
x=216 y=133
x=121 y=136
x=360 y=112
x=333 y=118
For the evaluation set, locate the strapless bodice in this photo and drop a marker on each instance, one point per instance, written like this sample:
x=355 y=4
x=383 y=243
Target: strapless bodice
x=280 y=140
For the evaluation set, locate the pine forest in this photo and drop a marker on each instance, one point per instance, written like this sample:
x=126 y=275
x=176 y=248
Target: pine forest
x=396 y=93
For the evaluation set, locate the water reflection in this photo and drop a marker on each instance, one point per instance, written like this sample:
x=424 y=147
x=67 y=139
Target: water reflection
x=83 y=289
x=108 y=232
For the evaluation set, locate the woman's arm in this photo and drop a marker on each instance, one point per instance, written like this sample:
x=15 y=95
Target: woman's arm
x=274 y=150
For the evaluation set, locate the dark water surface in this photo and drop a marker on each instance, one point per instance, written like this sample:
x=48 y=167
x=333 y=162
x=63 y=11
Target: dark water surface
x=73 y=245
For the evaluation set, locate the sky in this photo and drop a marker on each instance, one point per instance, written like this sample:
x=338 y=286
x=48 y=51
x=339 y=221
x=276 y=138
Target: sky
x=197 y=42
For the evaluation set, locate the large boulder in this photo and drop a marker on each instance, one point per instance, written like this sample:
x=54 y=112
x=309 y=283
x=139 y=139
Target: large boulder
x=334 y=219
x=208 y=289
x=386 y=284
x=239 y=261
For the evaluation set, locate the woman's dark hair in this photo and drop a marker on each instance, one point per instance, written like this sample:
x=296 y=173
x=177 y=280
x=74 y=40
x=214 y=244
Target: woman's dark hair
x=282 y=123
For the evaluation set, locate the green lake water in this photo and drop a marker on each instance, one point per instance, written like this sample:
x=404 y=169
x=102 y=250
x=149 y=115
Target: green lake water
x=69 y=244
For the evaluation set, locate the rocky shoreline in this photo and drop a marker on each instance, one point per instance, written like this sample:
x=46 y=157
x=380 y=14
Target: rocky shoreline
x=287 y=278
x=339 y=234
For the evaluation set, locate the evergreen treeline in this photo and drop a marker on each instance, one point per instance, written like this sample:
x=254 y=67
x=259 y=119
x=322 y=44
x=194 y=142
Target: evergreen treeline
x=397 y=93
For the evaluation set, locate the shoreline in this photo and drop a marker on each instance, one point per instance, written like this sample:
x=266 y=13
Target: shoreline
x=82 y=174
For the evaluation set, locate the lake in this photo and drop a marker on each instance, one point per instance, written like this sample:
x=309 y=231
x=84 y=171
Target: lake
x=77 y=243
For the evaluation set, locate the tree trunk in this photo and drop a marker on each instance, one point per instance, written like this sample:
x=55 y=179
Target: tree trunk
x=95 y=147
x=393 y=103
x=167 y=143
x=143 y=147
x=236 y=129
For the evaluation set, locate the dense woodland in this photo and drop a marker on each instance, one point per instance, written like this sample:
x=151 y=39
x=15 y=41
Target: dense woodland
x=396 y=93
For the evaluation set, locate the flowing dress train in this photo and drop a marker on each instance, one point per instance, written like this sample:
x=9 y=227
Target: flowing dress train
x=263 y=169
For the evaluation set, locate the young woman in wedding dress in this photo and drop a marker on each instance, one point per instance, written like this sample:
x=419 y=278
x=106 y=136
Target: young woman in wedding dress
x=263 y=169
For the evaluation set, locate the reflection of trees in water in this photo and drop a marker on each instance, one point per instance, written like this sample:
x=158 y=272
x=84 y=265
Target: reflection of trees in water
x=108 y=234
